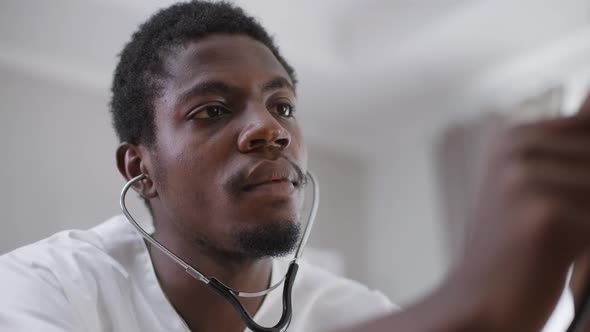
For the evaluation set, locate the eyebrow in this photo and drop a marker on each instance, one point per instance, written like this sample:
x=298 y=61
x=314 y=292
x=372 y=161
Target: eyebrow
x=208 y=87
x=219 y=87
x=276 y=84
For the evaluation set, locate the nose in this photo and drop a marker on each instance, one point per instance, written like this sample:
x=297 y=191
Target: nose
x=262 y=130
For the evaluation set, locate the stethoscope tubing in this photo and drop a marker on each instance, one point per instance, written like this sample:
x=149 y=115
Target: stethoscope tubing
x=229 y=294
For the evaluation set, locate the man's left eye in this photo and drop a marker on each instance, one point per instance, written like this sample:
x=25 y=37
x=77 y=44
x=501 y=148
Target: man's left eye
x=284 y=109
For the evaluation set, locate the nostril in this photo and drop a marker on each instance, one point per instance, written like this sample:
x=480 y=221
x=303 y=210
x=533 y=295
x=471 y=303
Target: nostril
x=282 y=142
x=256 y=143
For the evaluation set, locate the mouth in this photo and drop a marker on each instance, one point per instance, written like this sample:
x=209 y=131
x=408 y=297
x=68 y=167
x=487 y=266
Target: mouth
x=272 y=178
x=272 y=185
x=272 y=188
x=272 y=182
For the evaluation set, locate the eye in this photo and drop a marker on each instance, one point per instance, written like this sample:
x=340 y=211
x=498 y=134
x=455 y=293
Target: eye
x=284 y=109
x=209 y=112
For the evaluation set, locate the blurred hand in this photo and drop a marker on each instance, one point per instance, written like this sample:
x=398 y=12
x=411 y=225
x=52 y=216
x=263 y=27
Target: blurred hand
x=532 y=221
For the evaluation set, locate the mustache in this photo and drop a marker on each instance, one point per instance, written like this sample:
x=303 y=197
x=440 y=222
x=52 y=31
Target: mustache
x=235 y=182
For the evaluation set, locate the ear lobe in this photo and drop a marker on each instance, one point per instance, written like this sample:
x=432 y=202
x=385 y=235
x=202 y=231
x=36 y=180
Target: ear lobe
x=131 y=163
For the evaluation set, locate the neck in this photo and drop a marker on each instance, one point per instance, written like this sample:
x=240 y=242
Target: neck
x=201 y=308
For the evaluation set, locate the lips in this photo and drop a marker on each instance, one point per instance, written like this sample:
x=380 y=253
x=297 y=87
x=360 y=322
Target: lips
x=272 y=175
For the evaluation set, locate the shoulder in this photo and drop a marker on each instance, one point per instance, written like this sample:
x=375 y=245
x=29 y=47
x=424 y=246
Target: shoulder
x=59 y=275
x=66 y=254
x=47 y=285
x=326 y=301
x=335 y=288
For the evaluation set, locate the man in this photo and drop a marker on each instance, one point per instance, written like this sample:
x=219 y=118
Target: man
x=205 y=108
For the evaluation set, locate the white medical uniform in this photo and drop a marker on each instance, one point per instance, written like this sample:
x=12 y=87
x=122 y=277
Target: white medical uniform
x=103 y=280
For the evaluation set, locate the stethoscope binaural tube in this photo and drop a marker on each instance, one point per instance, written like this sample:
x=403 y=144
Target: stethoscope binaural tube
x=286 y=315
x=229 y=294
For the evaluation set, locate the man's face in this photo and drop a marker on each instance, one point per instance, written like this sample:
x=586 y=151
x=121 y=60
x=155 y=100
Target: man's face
x=229 y=154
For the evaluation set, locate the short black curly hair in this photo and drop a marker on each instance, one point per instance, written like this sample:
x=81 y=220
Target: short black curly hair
x=141 y=62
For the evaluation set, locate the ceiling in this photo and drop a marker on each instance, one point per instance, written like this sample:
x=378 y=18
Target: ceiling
x=356 y=59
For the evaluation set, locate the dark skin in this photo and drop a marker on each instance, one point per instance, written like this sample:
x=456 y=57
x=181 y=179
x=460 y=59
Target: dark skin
x=226 y=141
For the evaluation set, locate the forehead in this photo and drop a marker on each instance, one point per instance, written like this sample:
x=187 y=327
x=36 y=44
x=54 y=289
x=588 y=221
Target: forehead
x=236 y=59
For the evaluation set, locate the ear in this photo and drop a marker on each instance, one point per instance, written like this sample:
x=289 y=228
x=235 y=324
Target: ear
x=132 y=161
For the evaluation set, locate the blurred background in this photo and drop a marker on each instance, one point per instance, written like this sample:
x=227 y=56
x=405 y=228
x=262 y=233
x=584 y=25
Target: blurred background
x=398 y=100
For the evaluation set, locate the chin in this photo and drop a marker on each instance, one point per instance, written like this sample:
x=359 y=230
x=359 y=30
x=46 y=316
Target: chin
x=273 y=238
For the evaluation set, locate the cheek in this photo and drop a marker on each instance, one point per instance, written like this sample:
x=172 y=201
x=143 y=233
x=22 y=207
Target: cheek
x=188 y=178
x=191 y=155
x=192 y=191
x=193 y=172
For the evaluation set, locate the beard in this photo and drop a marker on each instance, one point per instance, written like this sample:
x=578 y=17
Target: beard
x=253 y=242
x=272 y=240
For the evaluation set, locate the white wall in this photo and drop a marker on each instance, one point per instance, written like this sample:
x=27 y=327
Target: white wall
x=57 y=159
x=405 y=242
x=342 y=220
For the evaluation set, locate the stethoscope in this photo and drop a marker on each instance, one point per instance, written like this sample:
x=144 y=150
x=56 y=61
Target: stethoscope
x=229 y=294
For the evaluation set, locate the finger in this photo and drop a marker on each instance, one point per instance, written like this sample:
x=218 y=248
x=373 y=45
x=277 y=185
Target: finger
x=548 y=129
x=568 y=178
x=531 y=145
